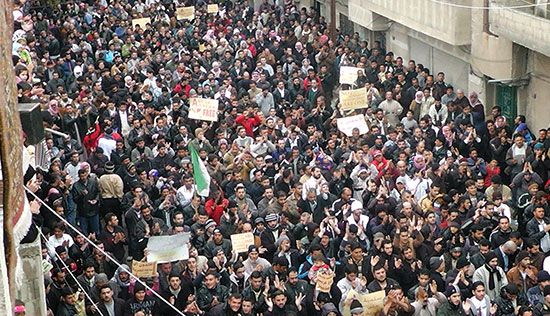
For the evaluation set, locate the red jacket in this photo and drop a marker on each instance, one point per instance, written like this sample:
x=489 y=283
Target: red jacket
x=248 y=123
x=215 y=211
x=90 y=140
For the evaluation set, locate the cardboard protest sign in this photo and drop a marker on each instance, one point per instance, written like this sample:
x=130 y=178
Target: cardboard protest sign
x=353 y=99
x=142 y=22
x=144 y=269
x=372 y=302
x=185 y=13
x=348 y=75
x=203 y=109
x=213 y=8
x=347 y=124
x=240 y=242
x=163 y=249
x=324 y=281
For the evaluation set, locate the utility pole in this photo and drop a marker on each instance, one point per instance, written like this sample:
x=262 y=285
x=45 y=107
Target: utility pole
x=332 y=27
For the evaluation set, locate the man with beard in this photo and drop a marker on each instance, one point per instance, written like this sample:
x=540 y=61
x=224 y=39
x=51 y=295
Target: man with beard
x=314 y=182
x=231 y=308
x=176 y=294
x=271 y=233
x=108 y=304
x=149 y=225
x=453 y=306
x=381 y=281
x=279 y=304
x=58 y=286
x=120 y=283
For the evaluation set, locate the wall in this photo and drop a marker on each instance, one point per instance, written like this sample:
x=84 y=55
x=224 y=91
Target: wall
x=437 y=20
x=538 y=92
x=32 y=290
x=490 y=55
x=520 y=27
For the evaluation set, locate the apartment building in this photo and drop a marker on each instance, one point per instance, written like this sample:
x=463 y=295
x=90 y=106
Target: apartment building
x=502 y=52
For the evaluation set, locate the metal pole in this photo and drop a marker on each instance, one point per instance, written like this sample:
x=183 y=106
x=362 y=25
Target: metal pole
x=332 y=27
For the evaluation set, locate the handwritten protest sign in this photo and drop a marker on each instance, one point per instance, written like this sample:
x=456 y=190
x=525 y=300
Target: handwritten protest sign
x=163 y=249
x=240 y=242
x=348 y=75
x=324 y=281
x=372 y=302
x=353 y=99
x=46 y=266
x=144 y=269
x=203 y=109
x=213 y=8
x=185 y=13
x=142 y=22
x=347 y=124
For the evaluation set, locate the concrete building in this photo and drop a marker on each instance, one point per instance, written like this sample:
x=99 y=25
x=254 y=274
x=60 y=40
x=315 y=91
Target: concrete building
x=502 y=53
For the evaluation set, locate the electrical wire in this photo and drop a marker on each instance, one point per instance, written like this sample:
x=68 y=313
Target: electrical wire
x=107 y=255
x=71 y=273
x=450 y=4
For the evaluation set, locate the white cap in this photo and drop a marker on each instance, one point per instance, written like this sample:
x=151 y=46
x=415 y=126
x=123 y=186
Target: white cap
x=356 y=205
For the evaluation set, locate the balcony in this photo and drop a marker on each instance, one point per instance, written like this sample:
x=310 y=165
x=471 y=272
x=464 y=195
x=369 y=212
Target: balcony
x=438 y=20
x=524 y=26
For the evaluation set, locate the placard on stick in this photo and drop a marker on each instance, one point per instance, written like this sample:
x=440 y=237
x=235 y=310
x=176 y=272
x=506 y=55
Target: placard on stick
x=144 y=269
x=213 y=8
x=141 y=21
x=240 y=242
x=185 y=13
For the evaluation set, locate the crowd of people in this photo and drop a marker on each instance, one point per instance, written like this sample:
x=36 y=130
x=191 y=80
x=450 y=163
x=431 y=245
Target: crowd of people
x=442 y=204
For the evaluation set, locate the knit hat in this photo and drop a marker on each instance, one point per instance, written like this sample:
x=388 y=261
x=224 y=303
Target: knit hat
x=101 y=277
x=435 y=262
x=209 y=223
x=281 y=239
x=543 y=276
x=271 y=217
x=538 y=146
x=252 y=248
x=109 y=167
x=378 y=235
x=462 y=262
x=329 y=308
x=138 y=287
x=490 y=256
x=522 y=255
x=356 y=205
x=451 y=289
x=356 y=307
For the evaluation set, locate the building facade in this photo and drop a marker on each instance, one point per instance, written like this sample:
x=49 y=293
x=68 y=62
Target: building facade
x=487 y=46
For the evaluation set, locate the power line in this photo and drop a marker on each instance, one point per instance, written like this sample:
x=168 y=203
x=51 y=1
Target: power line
x=71 y=273
x=521 y=6
x=103 y=252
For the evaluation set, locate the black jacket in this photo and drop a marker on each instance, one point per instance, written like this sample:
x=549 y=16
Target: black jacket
x=119 y=307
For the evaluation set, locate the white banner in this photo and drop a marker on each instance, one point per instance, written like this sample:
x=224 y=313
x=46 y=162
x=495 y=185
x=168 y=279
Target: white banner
x=161 y=249
x=347 y=124
x=203 y=109
x=348 y=75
